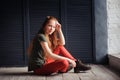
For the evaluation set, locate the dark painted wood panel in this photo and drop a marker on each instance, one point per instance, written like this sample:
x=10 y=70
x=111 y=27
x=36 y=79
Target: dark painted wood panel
x=79 y=34
x=11 y=33
x=20 y=20
x=39 y=9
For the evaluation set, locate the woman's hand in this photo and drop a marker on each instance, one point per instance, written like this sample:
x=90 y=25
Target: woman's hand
x=58 y=26
x=72 y=62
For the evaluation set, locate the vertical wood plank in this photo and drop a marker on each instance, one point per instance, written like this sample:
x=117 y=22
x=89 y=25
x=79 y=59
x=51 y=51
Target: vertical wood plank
x=36 y=77
x=70 y=76
x=101 y=73
x=109 y=72
x=55 y=77
x=86 y=75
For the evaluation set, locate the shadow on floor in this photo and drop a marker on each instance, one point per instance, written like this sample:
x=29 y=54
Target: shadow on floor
x=30 y=73
x=16 y=73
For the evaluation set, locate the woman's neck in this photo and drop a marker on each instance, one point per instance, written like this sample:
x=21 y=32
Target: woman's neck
x=46 y=35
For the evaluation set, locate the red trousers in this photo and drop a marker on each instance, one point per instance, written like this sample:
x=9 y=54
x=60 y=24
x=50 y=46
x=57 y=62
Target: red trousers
x=52 y=66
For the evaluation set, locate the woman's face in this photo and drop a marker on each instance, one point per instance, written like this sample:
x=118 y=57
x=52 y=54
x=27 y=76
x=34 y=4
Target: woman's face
x=50 y=27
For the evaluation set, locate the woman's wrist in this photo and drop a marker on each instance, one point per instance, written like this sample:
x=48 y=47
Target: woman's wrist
x=60 y=30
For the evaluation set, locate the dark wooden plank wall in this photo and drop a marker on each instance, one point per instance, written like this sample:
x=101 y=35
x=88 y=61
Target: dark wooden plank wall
x=79 y=29
x=21 y=20
x=11 y=33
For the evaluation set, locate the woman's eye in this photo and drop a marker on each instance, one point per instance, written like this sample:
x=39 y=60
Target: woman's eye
x=53 y=26
x=49 y=25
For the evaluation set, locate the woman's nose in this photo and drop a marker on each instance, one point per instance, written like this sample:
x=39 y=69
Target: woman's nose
x=52 y=28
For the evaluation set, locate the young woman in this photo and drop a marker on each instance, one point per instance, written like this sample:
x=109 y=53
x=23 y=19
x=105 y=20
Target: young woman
x=47 y=53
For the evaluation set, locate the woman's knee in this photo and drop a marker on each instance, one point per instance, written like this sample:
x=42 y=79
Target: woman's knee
x=58 y=49
x=59 y=46
x=65 y=63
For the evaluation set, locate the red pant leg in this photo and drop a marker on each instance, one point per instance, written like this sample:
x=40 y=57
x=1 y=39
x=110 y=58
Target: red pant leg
x=62 y=51
x=59 y=65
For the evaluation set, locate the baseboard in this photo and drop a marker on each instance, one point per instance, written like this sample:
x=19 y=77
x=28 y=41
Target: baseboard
x=114 y=61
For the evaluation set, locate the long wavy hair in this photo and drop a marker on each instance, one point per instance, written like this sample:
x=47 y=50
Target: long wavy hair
x=53 y=36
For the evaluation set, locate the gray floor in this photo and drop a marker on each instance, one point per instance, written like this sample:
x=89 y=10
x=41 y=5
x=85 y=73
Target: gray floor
x=98 y=72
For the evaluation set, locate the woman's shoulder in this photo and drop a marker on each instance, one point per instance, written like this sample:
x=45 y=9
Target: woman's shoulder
x=41 y=37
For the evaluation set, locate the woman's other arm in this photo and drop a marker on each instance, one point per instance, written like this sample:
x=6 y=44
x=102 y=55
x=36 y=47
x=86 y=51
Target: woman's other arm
x=54 y=56
x=61 y=40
